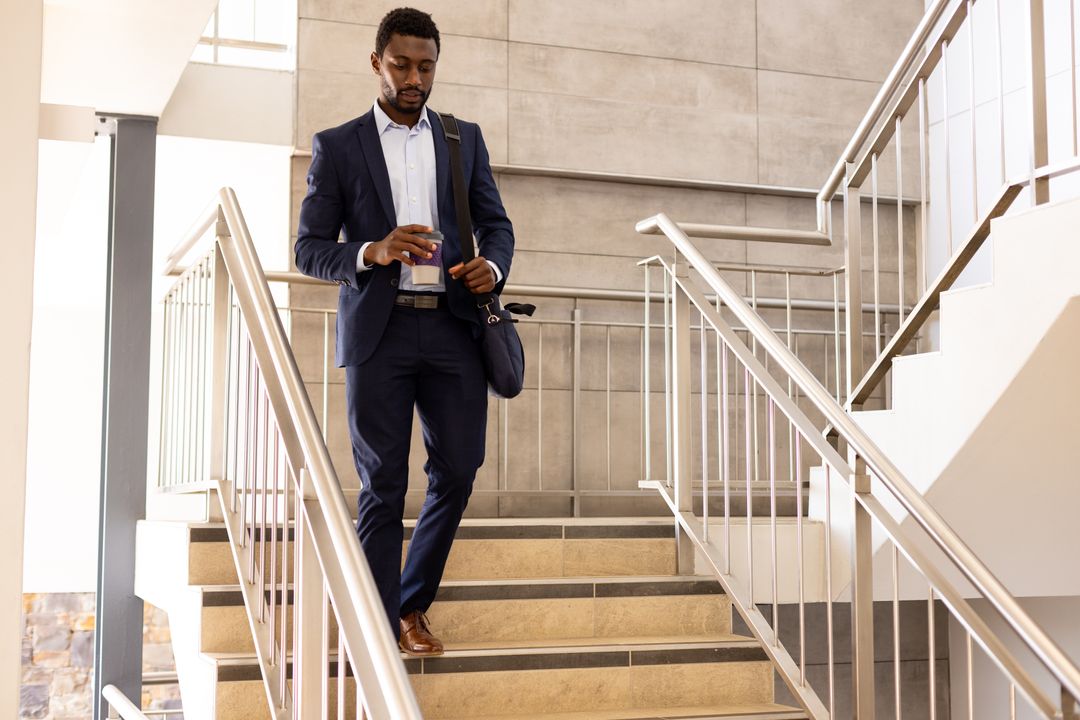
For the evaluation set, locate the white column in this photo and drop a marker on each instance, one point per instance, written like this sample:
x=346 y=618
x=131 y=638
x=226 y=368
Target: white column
x=20 y=92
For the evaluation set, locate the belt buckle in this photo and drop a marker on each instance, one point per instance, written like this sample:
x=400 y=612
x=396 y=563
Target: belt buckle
x=426 y=302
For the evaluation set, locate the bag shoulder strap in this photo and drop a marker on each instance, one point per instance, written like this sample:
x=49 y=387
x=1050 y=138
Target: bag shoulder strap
x=461 y=195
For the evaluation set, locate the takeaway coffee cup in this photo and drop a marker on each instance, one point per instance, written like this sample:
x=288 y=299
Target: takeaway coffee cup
x=428 y=271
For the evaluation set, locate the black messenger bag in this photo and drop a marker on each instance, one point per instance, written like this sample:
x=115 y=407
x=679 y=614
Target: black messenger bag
x=504 y=356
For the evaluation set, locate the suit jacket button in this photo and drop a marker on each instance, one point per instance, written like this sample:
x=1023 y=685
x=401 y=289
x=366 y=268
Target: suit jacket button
x=393 y=282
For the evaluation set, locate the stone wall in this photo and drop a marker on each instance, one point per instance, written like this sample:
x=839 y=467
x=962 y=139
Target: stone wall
x=58 y=657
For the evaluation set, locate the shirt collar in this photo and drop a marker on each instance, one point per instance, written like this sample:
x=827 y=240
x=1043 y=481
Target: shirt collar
x=383 y=121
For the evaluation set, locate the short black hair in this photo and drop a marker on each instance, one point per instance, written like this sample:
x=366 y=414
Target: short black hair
x=406 y=21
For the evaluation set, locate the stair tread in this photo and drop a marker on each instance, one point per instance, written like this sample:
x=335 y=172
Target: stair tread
x=576 y=645
x=570 y=579
x=769 y=711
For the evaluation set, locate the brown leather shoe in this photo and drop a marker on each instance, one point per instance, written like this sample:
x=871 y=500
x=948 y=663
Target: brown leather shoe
x=416 y=638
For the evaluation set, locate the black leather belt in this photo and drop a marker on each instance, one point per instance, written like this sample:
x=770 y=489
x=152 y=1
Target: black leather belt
x=421 y=301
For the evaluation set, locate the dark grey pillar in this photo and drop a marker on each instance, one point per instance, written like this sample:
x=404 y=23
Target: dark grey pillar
x=118 y=631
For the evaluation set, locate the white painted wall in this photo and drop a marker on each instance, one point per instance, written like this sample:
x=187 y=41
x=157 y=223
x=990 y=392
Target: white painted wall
x=64 y=440
x=65 y=396
x=20 y=47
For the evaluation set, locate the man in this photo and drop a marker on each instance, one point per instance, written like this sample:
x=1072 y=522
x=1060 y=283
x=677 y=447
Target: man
x=383 y=180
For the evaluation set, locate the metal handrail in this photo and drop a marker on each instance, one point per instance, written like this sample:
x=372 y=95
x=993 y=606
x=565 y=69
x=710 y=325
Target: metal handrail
x=119 y=703
x=362 y=619
x=887 y=90
x=582 y=293
x=1049 y=653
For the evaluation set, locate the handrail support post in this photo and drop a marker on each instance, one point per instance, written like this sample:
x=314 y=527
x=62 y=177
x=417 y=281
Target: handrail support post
x=862 y=595
x=1068 y=706
x=219 y=369
x=853 y=281
x=1040 y=155
x=681 y=414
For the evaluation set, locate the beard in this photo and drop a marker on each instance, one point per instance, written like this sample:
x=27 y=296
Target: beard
x=393 y=100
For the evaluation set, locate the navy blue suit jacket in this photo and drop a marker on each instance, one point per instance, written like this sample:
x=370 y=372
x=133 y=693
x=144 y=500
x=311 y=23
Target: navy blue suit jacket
x=349 y=194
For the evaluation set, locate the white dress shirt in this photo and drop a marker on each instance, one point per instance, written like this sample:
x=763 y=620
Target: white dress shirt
x=410 y=163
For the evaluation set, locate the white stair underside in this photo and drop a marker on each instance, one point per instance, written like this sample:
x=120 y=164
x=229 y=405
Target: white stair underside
x=988 y=428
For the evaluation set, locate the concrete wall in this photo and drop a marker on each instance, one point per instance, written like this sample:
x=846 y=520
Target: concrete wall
x=20 y=47
x=740 y=91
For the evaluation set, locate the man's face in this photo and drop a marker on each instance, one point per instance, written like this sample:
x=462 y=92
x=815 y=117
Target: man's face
x=406 y=72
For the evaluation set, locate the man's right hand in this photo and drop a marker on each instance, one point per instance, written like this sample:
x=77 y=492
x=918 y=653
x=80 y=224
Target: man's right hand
x=401 y=240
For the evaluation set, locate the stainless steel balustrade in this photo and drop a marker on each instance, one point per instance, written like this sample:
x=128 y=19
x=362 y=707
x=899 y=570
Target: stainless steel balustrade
x=236 y=418
x=857 y=491
x=599 y=459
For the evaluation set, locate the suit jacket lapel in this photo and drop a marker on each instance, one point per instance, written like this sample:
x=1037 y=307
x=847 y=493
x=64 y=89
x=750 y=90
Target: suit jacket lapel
x=368 y=131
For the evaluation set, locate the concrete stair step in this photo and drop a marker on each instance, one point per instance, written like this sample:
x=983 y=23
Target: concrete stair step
x=635 y=678
x=571 y=610
x=768 y=711
x=501 y=549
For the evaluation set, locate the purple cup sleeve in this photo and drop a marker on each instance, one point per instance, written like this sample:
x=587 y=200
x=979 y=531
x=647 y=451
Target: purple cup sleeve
x=435 y=259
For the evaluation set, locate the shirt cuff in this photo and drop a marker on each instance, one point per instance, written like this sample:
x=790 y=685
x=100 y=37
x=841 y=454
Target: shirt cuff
x=360 y=266
x=498 y=272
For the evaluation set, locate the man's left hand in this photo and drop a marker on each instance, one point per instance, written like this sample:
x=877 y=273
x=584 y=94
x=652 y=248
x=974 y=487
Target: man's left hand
x=477 y=273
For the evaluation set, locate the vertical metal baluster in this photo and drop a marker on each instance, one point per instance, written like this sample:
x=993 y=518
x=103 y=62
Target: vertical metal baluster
x=703 y=352
x=899 y=220
x=799 y=557
x=770 y=419
x=667 y=375
x=206 y=327
x=877 y=265
x=724 y=449
x=738 y=450
x=646 y=385
x=504 y=415
x=189 y=381
x=753 y=348
x=164 y=436
x=924 y=171
x=971 y=101
x=324 y=652
x=829 y=590
x=1012 y=701
x=607 y=401
x=540 y=405
x=286 y=604
x=933 y=654
x=248 y=420
x=325 y=374
x=342 y=665
x=641 y=403
x=247 y=521
x=1040 y=187
x=275 y=528
x=970 y=676
x=749 y=487
x=896 y=625
x=1072 y=69
x=948 y=161
x=1001 y=86
x=836 y=334
x=263 y=475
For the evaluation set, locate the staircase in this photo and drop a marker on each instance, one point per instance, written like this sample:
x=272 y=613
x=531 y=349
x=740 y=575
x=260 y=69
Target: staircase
x=556 y=618
x=962 y=416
